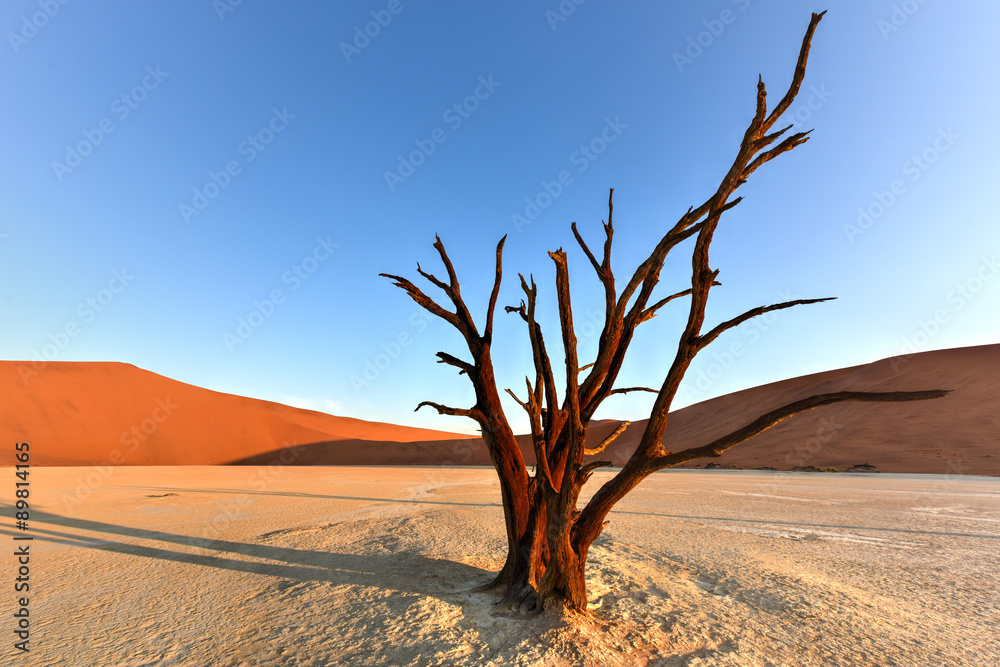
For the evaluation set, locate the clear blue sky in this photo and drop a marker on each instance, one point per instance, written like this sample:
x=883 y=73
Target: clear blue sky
x=115 y=114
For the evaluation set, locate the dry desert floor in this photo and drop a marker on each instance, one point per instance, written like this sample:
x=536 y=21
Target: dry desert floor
x=226 y=566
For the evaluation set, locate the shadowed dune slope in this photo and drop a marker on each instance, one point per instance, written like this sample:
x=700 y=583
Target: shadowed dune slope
x=81 y=413
x=86 y=413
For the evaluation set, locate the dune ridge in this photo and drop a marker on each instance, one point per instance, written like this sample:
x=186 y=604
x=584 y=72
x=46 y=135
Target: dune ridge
x=86 y=413
x=79 y=413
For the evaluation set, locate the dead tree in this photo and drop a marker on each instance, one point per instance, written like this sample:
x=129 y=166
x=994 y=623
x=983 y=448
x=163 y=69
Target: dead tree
x=548 y=537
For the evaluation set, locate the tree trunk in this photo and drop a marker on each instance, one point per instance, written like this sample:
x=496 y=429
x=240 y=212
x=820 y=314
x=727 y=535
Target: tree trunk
x=564 y=580
x=525 y=564
x=516 y=491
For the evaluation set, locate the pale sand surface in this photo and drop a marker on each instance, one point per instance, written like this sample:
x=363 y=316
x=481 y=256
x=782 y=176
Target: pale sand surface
x=370 y=566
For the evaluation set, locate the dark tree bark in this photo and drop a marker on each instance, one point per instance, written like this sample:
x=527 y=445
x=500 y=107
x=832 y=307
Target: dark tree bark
x=548 y=537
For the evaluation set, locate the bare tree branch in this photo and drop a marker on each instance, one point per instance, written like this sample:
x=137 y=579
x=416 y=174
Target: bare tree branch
x=464 y=366
x=585 y=471
x=786 y=145
x=650 y=312
x=612 y=324
x=761 y=109
x=533 y=409
x=766 y=421
x=798 y=76
x=617 y=335
x=424 y=301
x=518 y=400
x=609 y=230
x=520 y=310
x=630 y=389
x=572 y=397
x=608 y=440
x=702 y=275
x=706 y=339
x=607 y=276
x=445 y=410
x=652 y=265
x=488 y=332
x=543 y=366
x=619 y=326
x=433 y=279
x=454 y=292
x=769 y=139
x=586 y=250
x=452 y=277
x=587 y=468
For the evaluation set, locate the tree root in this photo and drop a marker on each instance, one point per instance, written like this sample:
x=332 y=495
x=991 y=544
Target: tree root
x=524 y=600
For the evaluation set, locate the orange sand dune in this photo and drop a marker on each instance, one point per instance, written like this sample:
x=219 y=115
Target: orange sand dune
x=86 y=413
x=81 y=413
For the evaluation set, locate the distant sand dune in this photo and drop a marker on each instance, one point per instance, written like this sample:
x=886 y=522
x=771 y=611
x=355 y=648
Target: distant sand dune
x=78 y=413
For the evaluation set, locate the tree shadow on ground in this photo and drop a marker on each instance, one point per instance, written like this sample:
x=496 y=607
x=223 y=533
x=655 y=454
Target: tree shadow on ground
x=278 y=573
x=281 y=570
x=437 y=577
x=300 y=494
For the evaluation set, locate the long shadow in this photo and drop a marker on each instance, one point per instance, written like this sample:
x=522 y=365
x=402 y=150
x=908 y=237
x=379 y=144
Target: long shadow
x=354 y=451
x=300 y=494
x=811 y=525
x=440 y=577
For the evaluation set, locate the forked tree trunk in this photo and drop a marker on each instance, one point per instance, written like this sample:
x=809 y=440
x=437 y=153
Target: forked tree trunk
x=547 y=565
x=554 y=553
x=564 y=578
